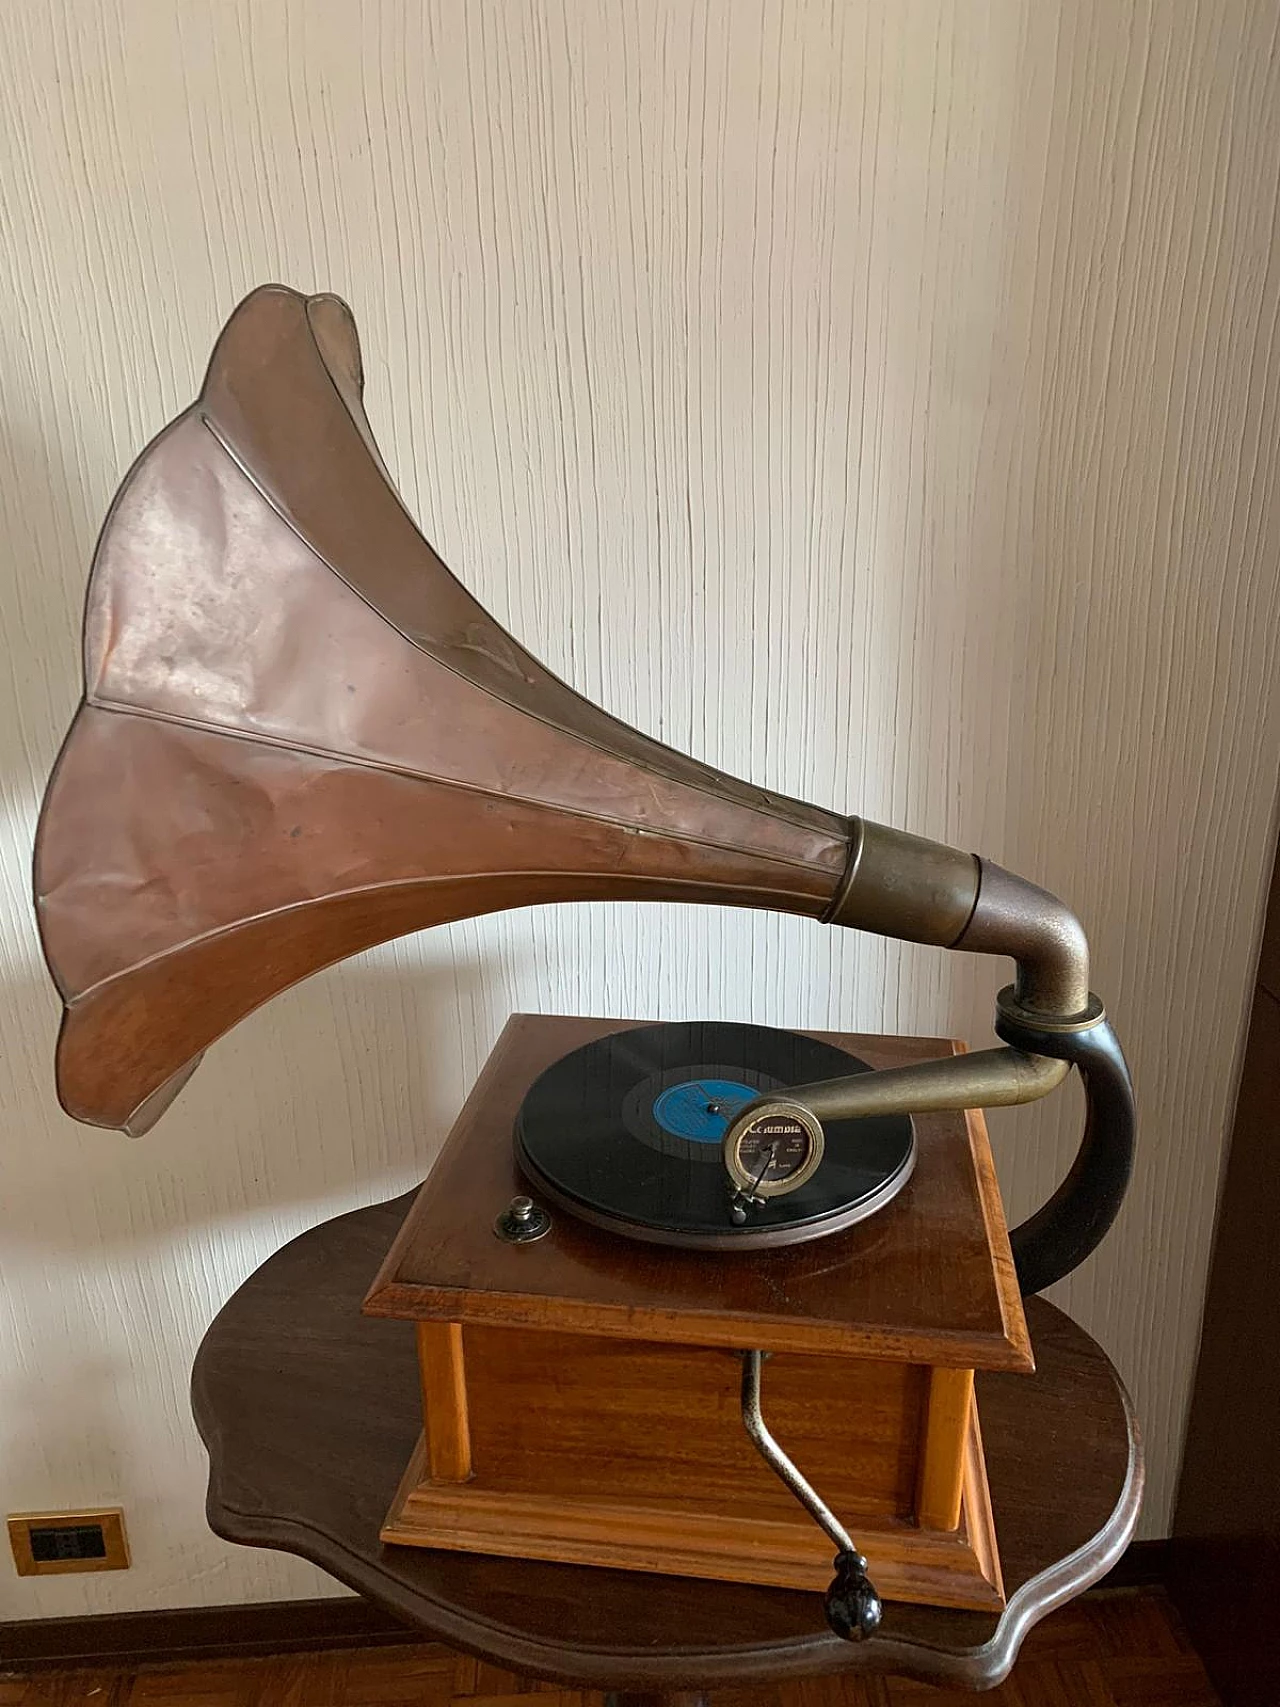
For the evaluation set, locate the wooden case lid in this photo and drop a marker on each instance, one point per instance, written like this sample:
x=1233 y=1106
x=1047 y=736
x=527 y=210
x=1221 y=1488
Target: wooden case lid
x=929 y=1279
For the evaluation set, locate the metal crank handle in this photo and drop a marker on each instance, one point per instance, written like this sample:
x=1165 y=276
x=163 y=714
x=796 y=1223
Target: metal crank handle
x=852 y=1605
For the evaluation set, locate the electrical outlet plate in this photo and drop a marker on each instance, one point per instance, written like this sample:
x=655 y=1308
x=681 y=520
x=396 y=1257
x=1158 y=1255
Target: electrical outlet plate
x=53 y=1543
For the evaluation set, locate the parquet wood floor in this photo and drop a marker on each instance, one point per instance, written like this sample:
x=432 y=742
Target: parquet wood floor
x=1119 y=1649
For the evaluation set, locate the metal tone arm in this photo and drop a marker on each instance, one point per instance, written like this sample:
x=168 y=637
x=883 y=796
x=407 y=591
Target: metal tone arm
x=990 y=1078
x=921 y=891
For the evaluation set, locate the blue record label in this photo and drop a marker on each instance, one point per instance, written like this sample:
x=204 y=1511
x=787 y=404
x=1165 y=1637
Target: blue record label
x=701 y=1109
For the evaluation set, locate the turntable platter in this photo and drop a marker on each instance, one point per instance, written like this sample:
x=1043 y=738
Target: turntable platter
x=628 y=1134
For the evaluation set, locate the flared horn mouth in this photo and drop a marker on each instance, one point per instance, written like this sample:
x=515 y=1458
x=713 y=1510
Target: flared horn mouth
x=301 y=736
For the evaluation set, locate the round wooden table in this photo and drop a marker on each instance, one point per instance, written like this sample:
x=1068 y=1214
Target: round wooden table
x=309 y=1412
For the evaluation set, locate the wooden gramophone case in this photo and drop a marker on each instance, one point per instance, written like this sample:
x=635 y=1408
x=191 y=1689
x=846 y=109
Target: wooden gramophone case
x=581 y=1394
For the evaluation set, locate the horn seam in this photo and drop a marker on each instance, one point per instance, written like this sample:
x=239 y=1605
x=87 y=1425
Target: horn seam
x=121 y=708
x=767 y=810
x=769 y=901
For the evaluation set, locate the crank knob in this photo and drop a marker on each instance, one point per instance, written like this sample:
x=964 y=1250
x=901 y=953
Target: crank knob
x=854 y=1609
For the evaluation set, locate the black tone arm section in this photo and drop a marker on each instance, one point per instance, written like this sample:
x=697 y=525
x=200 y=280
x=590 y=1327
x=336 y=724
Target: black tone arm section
x=1070 y=1226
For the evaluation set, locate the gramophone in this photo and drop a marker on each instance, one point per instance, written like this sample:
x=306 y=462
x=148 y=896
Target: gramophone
x=300 y=737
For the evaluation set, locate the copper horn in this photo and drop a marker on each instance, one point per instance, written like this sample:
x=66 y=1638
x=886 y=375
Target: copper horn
x=301 y=736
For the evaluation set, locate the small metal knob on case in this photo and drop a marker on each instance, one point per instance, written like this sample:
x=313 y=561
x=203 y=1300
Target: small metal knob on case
x=522 y=1221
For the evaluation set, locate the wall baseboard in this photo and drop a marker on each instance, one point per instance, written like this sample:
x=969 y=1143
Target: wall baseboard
x=199 y=1633
x=297 y=1626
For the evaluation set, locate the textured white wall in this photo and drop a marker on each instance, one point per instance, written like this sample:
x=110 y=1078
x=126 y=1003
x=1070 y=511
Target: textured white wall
x=877 y=400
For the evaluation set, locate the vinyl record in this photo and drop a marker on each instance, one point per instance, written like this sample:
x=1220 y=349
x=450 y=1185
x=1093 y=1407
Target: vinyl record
x=627 y=1132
